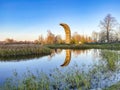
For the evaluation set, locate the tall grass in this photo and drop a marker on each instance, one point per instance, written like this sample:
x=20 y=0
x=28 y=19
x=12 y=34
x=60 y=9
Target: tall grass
x=114 y=87
x=85 y=46
x=7 y=51
x=72 y=78
x=56 y=80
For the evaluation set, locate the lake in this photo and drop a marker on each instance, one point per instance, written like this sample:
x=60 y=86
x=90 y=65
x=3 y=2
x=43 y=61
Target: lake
x=106 y=62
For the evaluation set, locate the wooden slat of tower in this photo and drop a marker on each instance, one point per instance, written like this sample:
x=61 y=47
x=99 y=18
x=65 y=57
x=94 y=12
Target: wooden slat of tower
x=67 y=32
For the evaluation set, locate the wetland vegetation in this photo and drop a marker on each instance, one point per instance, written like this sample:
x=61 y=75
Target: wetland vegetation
x=100 y=75
x=72 y=58
x=111 y=46
x=14 y=51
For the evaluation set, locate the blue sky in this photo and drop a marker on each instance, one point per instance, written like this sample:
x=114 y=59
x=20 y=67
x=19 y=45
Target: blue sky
x=27 y=19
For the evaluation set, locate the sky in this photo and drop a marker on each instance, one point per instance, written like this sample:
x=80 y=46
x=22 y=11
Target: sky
x=27 y=19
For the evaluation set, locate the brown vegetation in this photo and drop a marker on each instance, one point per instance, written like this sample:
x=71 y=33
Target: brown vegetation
x=56 y=39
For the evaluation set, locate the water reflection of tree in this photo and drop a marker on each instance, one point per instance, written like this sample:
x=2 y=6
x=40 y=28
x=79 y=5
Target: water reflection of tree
x=107 y=70
x=55 y=51
x=110 y=58
x=67 y=58
x=79 y=52
x=58 y=51
x=95 y=54
x=68 y=54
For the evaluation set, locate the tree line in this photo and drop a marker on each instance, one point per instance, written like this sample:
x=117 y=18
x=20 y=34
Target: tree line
x=51 y=38
x=110 y=31
x=57 y=39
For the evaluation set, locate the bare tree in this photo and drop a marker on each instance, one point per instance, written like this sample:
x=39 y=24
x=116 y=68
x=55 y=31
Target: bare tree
x=95 y=36
x=50 y=39
x=102 y=36
x=108 y=24
x=118 y=33
x=9 y=40
x=41 y=39
x=58 y=39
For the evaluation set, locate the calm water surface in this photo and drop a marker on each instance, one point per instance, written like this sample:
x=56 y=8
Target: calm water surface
x=63 y=59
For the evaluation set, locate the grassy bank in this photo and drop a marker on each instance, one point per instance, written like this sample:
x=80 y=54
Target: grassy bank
x=72 y=78
x=16 y=50
x=114 y=87
x=115 y=46
x=55 y=80
x=19 y=51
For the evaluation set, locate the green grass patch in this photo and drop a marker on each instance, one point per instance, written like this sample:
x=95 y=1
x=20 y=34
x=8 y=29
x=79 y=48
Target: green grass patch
x=71 y=78
x=56 y=80
x=16 y=51
x=112 y=46
x=114 y=87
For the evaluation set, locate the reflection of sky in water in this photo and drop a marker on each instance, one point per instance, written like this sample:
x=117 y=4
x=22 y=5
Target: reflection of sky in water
x=46 y=63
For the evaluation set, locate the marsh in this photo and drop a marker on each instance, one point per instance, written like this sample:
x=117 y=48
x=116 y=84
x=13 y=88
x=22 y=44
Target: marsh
x=101 y=66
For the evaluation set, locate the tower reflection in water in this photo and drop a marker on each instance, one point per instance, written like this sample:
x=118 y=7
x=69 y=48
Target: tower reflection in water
x=67 y=58
x=69 y=54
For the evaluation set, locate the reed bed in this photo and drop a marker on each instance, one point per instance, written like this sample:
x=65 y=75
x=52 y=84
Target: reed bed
x=56 y=80
x=72 y=78
x=85 y=46
x=7 y=51
x=114 y=87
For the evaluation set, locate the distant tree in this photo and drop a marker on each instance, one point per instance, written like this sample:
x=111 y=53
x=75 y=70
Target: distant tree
x=41 y=39
x=9 y=40
x=83 y=39
x=58 y=39
x=50 y=39
x=108 y=24
x=89 y=39
x=76 y=38
x=95 y=36
x=36 y=42
x=102 y=37
x=118 y=33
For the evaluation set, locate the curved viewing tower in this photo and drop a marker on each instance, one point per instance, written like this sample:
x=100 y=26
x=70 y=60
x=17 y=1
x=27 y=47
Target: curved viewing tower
x=67 y=58
x=67 y=32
